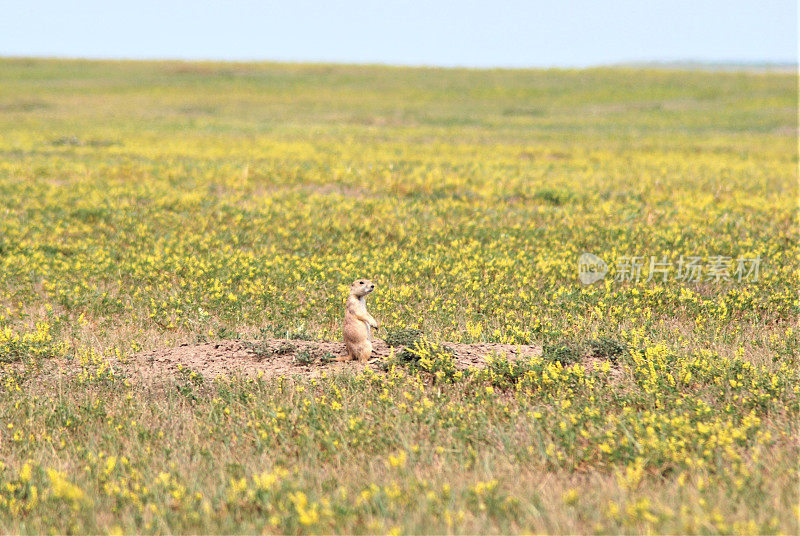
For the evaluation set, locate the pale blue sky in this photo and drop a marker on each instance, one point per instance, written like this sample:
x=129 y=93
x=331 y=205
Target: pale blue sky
x=467 y=33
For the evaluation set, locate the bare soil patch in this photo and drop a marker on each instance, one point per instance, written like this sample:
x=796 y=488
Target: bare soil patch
x=283 y=357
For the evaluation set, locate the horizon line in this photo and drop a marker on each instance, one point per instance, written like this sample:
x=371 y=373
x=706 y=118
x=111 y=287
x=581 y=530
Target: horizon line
x=676 y=64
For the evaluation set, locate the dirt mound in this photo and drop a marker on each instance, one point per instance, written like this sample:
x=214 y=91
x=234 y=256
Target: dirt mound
x=283 y=357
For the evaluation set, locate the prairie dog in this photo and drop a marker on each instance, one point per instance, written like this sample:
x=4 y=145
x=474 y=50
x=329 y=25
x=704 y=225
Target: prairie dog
x=358 y=323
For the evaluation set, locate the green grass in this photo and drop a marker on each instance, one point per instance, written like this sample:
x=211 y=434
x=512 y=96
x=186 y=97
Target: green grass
x=150 y=204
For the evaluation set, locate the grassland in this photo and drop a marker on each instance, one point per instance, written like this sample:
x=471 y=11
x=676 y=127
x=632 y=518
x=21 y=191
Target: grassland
x=144 y=205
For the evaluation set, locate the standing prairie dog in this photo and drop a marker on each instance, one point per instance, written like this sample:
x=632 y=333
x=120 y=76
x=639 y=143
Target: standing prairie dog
x=358 y=323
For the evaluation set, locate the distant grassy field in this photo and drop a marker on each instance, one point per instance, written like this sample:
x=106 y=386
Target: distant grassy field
x=145 y=205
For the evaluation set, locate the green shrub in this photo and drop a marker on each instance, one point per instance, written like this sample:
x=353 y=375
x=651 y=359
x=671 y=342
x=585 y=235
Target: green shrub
x=285 y=348
x=607 y=347
x=406 y=337
x=305 y=357
x=432 y=359
x=261 y=349
x=502 y=372
x=564 y=352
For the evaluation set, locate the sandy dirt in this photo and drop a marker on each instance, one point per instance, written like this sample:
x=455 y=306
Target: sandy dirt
x=279 y=357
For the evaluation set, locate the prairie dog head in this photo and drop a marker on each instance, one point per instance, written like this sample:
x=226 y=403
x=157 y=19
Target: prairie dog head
x=361 y=287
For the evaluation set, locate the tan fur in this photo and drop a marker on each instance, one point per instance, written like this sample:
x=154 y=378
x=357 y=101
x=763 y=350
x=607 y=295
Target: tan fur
x=358 y=323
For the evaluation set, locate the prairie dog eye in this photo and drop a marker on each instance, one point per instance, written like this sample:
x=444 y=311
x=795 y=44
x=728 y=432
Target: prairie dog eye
x=360 y=282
